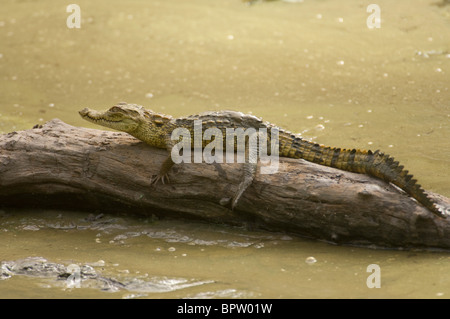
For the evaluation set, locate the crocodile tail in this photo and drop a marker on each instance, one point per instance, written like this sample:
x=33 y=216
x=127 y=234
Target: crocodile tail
x=371 y=163
x=385 y=167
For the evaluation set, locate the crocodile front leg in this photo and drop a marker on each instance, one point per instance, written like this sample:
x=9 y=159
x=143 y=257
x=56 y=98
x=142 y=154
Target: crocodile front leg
x=163 y=174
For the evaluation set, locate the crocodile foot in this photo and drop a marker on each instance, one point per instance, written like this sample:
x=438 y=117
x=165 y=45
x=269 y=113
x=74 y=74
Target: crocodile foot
x=156 y=178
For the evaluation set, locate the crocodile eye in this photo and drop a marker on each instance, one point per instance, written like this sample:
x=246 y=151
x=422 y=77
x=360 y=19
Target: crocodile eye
x=115 y=109
x=158 y=123
x=133 y=113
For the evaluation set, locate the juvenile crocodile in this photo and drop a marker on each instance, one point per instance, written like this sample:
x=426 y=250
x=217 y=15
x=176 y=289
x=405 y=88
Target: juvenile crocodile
x=156 y=129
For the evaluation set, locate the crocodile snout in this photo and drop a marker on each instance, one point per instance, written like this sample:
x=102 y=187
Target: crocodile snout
x=84 y=111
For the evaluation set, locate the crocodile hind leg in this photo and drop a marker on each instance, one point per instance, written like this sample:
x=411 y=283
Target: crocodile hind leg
x=248 y=177
x=250 y=166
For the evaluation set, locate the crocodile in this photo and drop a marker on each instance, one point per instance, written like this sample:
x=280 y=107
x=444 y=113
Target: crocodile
x=156 y=130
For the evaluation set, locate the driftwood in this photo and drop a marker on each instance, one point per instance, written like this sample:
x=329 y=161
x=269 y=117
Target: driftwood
x=62 y=166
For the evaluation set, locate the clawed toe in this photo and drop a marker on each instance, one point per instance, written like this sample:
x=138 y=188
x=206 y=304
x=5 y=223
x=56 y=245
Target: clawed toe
x=233 y=203
x=156 y=178
x=165 y=179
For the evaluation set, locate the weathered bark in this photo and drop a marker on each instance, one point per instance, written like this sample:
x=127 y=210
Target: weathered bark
x=80 y=168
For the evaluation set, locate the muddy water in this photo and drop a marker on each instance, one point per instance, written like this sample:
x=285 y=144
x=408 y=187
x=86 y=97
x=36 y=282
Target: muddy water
x=312 y=67
x=169 y=259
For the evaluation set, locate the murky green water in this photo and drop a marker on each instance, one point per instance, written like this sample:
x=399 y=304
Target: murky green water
x=311 y=67
x=169 y=259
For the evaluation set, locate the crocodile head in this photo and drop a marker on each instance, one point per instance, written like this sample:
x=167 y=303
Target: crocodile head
x=122 y=117
x=134 y=119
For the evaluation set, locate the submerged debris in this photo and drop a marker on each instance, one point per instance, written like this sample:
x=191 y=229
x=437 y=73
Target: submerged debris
x=76 y=276
x=427 y=54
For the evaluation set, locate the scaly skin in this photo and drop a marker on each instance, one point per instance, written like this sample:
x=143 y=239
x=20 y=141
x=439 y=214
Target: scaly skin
x=155 y=129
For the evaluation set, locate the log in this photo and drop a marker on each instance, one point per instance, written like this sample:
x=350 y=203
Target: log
x=61 y=166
